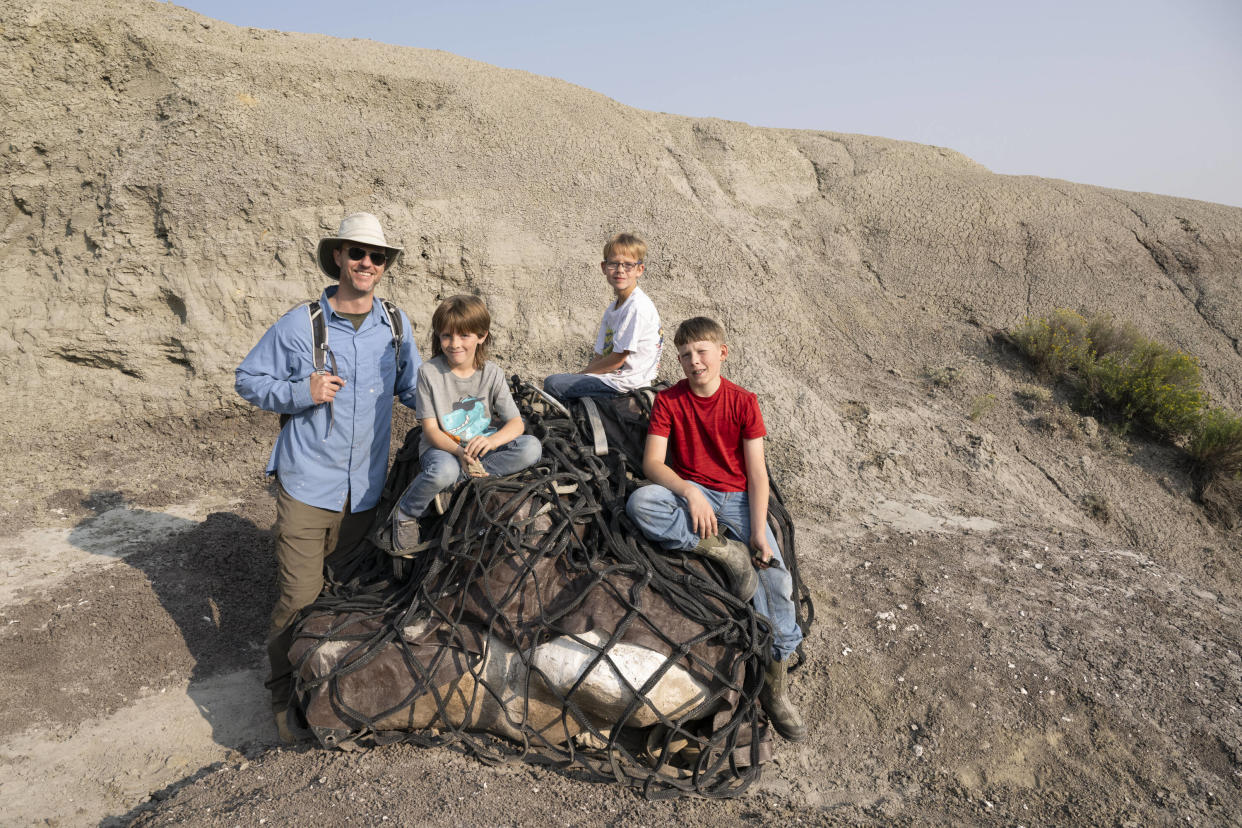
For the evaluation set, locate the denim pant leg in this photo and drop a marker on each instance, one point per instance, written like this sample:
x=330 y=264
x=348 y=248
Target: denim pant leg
x=439 y=471
x=521 y=452
x=664 y=517
x=774 y=598
x=572 y=386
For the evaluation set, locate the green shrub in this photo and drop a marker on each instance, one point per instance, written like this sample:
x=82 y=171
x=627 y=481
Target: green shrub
x=980 y=406
x=1108 y=336
x=1218 y=441
x=1152 y=386
x=1216 y=451
x=1121 y=376
x=1033 y=394
x=1056 y=345
x=1135 y=382
x=942 y=377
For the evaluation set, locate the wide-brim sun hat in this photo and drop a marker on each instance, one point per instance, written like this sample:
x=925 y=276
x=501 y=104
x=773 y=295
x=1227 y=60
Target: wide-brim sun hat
x=356 y=227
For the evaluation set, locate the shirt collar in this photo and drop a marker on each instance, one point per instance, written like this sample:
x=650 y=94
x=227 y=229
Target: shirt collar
x=330 y=291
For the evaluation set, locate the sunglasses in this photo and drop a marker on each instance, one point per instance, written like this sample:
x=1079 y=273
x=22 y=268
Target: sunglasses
x=378 y=257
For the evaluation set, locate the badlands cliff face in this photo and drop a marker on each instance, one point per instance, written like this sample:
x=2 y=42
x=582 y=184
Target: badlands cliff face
x=168 y=177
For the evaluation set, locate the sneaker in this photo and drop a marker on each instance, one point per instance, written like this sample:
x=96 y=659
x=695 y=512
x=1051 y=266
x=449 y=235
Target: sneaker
x=404 y=533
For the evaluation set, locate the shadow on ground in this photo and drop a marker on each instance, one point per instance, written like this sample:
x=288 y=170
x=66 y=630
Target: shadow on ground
x=215 y=581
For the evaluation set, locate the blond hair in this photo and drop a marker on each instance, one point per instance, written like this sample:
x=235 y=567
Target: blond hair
x=625 y=244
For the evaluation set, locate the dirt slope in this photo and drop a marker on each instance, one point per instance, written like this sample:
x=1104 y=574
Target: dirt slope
x=1023 y=618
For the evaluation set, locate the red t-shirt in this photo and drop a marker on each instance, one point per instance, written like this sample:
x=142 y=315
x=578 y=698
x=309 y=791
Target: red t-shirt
x=706 y=433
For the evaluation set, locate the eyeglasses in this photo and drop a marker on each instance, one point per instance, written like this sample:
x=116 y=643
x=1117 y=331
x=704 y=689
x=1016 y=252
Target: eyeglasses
x=378 y=257
x=613 y=267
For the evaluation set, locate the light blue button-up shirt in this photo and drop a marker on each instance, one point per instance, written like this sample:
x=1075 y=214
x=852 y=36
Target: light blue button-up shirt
x=318 y=467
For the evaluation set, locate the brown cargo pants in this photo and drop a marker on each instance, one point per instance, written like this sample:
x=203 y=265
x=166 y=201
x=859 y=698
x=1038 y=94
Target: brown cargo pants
x=305 y=537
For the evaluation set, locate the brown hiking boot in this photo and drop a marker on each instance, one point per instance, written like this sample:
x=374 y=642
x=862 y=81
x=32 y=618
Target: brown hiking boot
x=775 y=700
x=288 y=729
x=734 y=556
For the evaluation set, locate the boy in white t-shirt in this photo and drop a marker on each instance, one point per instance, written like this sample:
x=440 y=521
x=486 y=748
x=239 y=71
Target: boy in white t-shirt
x=627 y=348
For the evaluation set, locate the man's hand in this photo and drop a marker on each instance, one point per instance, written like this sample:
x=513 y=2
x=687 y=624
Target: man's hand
x=323 y=387
x=702 y=517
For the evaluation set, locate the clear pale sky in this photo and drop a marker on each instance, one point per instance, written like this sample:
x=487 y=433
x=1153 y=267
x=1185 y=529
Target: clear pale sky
x=1134 y=94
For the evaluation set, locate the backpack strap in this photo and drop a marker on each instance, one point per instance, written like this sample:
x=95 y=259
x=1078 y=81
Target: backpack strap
x=319 y=330
x=599 y=437
x=319 y=336
x=398 y=329
x=319 y=342
x=394 y=320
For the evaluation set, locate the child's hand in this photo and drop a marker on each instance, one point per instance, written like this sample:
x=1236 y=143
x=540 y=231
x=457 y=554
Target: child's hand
x=761 y=553
x=702 y=516
x=480 y=446
x=470 y=466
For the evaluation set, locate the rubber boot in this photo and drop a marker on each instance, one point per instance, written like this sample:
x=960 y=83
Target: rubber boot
x=775 y=700
x=734 y=556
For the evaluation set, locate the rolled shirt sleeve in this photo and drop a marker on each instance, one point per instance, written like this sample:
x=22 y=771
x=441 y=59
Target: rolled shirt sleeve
x=275 y=375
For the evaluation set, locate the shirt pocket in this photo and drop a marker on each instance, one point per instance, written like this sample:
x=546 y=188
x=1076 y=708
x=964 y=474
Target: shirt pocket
x=376 y=367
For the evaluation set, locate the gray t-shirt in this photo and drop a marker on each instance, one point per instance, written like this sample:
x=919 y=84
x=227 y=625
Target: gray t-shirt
x=479 y=404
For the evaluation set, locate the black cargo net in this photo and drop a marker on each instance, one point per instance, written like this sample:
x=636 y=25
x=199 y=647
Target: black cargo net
x=538 y=623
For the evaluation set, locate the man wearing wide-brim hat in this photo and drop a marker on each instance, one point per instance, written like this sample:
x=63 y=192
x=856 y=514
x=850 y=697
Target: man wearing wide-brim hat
x=331 y=455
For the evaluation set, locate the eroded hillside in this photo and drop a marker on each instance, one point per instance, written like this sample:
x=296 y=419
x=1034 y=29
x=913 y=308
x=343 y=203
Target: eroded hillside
x=170 y=175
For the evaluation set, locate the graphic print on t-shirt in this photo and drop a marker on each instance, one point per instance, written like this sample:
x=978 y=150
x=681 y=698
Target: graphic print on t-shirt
x=467 y=420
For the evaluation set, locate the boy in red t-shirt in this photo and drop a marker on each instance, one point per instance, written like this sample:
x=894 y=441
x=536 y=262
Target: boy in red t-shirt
x=704 y=455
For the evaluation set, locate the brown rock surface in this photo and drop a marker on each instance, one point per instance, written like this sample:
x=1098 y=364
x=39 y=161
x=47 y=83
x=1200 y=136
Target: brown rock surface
x=168 y=178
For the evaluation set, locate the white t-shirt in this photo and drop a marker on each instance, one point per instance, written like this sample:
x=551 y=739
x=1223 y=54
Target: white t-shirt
x=634 y=327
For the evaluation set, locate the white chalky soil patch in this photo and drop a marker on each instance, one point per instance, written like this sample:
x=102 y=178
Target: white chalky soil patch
x=39 y=558
x=111 y=765
x=905 y=517
x=926 y=514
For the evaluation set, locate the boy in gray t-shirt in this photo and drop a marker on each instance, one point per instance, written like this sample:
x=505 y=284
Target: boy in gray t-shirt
x=471 y=426
x=465 y=406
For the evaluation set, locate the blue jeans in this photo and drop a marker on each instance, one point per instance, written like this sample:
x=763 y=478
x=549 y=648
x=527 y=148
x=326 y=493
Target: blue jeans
x=572 y=386
x=440 y=469
x=665 y=519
